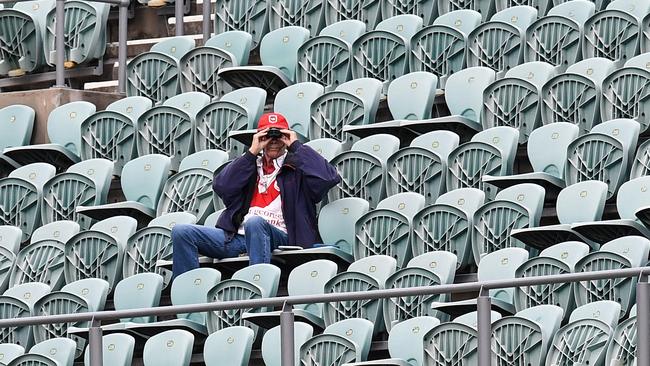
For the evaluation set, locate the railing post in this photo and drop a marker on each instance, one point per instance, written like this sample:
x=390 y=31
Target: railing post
x=207 y=13
x=179 y=11
x=59 y=44
x=286 y=333
x=95 y=344
x=484 y=325
x=122 y=47
x=643 y=321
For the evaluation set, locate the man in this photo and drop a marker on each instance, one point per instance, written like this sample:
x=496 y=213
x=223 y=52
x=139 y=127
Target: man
x=270 y=194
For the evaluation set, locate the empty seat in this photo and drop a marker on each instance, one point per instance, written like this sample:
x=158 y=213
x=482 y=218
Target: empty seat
x=271 y=343
x=343 y=342
x=249 y=16
x=307 y=14
x=17 y=129
x=229 y=346
x=623 y=345
x=154 y=74
x=52 y=352
x=138 y=291
x=427 y=10
x=485 y=8
x=338 y=10
x=111 y=134
x=9 y=351
x=199 y=67
x=556 y=37
x=499 y=43
x=574 y=96
x=441 y=47
x=172 y=348
x=325 y=147
x=18 y=302
x=117 y=350
x=10 y=239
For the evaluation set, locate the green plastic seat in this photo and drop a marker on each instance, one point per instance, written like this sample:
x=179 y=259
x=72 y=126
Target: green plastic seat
x=556 y=37
x=363 y=169
x=485 y=8
x=382 y=54
x=9 y=351
x=138 y=291
x=326 y=147
x=427 y=10
x=603 y=154
x=499 y=43
x=141 y=199
x=625 y=252
x=23 y=30
x=279 y=56
x=172 y=348
x=199 y=67
x=585 y=339
x=229 y=347
x=110 y=134
x=249 y=16
x=386 y=230
x=623 y=345
x=366 y=274
x=624 y=94
x=447 y=224
x=294 y=103
x=64 y=132
x=490 y=152
x=99 y=252
x=10 y=239
x=22 y=194
x=52 y=352
x=574 y=96
x=18 y=122
x=560 y=258
x=155 y=74
x=343 y=342
x=43 y=259
x=367 y=12
x=441 y=47
x=525 y=337
x=18 y=302
x=306 y=14
x=117 y=350
x=84 y=184
x=336 y=223
x=86 y=29
x=577 y=203
x=271 y=353
x=325 y=59
x=428 y=269
x=211 y=220
x=641 y=164
x=190 y=102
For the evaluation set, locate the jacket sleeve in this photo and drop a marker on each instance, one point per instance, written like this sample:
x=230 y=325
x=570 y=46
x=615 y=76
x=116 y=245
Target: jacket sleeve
x=320 y=176
x=233 y=179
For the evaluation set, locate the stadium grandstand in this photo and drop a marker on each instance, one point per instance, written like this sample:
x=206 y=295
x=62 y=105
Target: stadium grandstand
x=493 y=207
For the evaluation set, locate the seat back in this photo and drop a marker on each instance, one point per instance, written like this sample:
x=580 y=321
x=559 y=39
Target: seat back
x=619 y=101
x=250 y=17
x=233 y=344
x=172 y=347
x=279 y=48
x=336 y=221
x=326 y=147
x=237 y=43
x=464 y=92
x=294 y=103
x=64 y=124
x=406 y=339
x=308 y=14
x=411 y=96
x=310 y=278
x=192 y=287
x=336 y=11
x=132 y=107
x=547 y=147
x=189 y=102
x=17 y=127
x=117 y=350
x=59 y=350
x=581 y=202
x=501 y=265
x=140 y=290
x=9 y=351
x=271 y=343
x=425 y=9
x=631 y=197
x=153 y=169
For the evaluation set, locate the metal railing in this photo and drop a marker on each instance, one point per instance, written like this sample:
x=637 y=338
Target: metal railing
x=287 y=318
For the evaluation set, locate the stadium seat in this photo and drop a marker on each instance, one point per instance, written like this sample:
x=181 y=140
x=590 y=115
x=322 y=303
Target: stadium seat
x=117 y=350
x=285 y=13
x=10 y=239
x=18 y=302
x=363 y=169
x=211 y=220
x=623 y=345
x=154 y=74
x=338 y=10
x=586 y=336
x=547 y=153
x=306 y=279
x=171 y=348
x=99 y=252
x=447 y=224
x=22 y=197
x=574 y=96
x=603 y=154
x=326 y=58
x=138 y=291
x=515 y=207
x=18 y=126
x=141 y=199
x=499 y=44
x=498 y=265
x=43 y=259
x=485 y=8
x=428 y=269
x=625 y=252
x=514 y=99
x=229 y=347
x=382 y=53
x=279 y=56
x=580 y=202
x=52 y=352
x=490 y=152
x=23 y=34
x=614 y=32
x=249 y=16
x=426 y=10
x=352 y=103
x=325 y=147
x=9 y=351
x=557 y=259
x=366 y=274
x=252 y=282
x=64 y=132
x=343 y=342
x=110 y=134
x=271 y=350
x=441 y=47
x=386 y=230
x=526 y=336
x=199 y=67
x=85 y=183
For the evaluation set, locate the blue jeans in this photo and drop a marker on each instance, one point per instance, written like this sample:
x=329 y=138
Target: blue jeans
x=259 y=241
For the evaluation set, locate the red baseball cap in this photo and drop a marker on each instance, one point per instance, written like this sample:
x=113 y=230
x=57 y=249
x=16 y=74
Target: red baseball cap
x=272 y=120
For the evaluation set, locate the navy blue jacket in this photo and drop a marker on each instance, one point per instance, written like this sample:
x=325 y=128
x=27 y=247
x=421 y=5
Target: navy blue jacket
x=304 y=180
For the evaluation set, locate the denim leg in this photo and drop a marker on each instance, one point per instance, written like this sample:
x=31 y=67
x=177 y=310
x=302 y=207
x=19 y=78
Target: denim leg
x=191 y=240
x=261 y=239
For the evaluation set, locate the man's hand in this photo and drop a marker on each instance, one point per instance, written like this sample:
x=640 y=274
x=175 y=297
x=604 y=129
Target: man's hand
x=259 y=142
x=288 y=137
